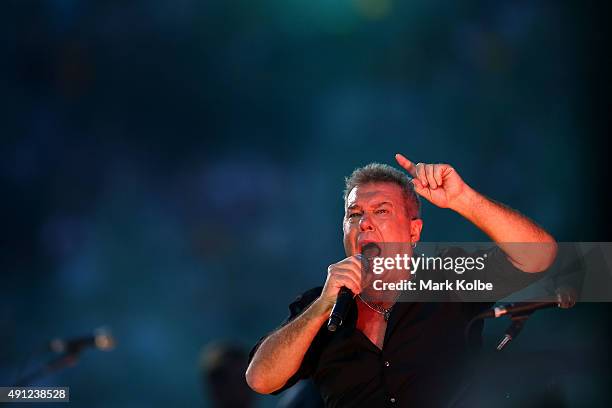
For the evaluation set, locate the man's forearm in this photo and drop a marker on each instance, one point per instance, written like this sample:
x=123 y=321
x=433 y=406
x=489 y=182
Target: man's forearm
x=282 y=352
x=529 y=247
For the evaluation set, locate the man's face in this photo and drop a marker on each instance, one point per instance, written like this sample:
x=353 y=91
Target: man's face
x=376 y=212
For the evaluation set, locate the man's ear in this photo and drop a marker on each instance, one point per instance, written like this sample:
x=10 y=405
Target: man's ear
x=416 y=225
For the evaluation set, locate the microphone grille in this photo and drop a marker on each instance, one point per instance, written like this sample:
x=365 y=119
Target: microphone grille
x=57 y=345
x=104 y=340
x=566 y=297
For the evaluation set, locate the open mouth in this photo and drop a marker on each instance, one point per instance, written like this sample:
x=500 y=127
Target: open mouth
x=363 y=243
x=369 y=248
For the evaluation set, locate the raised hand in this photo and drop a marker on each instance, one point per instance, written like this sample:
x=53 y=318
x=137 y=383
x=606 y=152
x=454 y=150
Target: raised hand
x=439 y=183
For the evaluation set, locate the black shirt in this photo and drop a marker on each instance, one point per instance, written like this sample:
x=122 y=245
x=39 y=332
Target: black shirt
x=424 y=361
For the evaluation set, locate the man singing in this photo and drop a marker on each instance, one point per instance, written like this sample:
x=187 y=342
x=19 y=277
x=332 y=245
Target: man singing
x=392 y=353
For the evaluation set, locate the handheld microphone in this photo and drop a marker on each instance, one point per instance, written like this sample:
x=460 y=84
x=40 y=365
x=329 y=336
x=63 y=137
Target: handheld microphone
x=101 y=339
x=345 y=295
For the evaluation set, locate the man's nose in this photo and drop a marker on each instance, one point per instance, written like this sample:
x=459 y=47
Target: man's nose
x=365 y=224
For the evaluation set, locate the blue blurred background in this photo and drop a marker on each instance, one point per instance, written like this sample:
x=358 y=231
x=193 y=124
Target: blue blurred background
x=173 y=169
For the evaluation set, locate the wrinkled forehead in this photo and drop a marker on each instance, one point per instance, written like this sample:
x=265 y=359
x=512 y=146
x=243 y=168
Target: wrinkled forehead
x=372 y=193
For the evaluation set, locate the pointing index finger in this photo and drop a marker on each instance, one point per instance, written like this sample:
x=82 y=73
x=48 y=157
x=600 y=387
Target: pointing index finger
x=406 y=164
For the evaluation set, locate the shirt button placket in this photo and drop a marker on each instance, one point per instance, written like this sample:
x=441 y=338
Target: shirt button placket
x=392 y=400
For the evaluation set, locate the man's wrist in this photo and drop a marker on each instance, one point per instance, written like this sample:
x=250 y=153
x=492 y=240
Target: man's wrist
x=466 y=202
x=320 y=308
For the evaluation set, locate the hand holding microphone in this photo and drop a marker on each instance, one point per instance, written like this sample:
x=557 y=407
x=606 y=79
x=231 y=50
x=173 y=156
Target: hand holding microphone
x=344 y=280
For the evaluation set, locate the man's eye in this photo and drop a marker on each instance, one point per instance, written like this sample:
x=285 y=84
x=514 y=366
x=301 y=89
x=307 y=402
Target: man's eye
x=381 y=211
x=353 y=215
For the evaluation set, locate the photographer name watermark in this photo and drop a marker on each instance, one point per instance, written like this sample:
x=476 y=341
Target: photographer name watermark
x=431 y=285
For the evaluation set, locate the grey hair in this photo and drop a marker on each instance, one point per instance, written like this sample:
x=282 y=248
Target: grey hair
x=383 y=173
